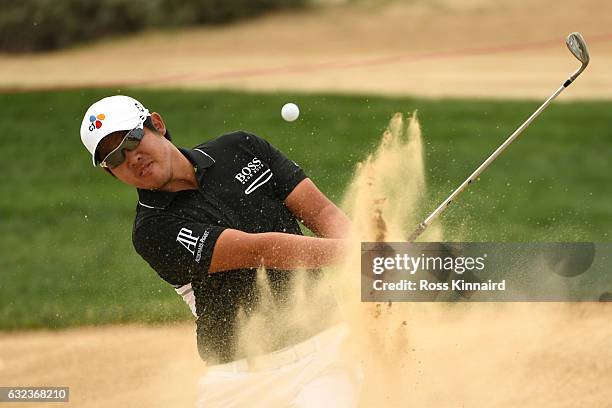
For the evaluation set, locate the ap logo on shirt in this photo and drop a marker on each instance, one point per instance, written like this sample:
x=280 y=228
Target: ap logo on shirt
x=187 y=239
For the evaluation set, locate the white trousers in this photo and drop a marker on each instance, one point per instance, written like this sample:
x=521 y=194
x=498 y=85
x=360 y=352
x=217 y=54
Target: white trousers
x=316 y=373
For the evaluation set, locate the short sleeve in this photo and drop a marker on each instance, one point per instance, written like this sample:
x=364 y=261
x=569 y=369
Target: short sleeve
x=176 y=249
x=287 y=173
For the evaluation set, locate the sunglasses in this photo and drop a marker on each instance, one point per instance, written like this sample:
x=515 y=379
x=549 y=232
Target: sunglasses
x=130 y=142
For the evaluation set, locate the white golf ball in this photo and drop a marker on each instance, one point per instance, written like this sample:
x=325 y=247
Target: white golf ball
x=290 y=112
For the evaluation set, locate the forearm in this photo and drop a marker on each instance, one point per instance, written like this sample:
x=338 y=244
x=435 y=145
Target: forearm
x=317 y=212
x=333 y=223
x=275 y=250
x=288 y=251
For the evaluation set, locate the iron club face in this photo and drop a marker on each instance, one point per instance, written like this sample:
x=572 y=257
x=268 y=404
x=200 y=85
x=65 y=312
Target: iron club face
x=577 y=46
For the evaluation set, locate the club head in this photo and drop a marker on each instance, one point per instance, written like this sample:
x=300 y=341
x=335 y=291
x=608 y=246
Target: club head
x=577 y=46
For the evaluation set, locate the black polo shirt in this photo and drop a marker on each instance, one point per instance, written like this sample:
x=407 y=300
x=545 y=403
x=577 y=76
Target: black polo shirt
x=243 y=182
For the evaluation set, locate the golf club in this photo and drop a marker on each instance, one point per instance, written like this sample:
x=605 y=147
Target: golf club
x=578 y=48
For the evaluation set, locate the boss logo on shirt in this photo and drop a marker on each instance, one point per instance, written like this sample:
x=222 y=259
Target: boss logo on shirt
x=249 y=170
x=250 y=175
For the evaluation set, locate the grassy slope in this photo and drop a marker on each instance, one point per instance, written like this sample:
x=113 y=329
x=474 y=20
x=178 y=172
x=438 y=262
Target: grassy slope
x=66 y=255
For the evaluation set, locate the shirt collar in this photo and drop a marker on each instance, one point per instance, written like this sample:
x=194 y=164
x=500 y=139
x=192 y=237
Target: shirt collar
x=162 y=199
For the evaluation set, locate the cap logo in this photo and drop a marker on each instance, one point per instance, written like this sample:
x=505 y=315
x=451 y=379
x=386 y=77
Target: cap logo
x=96 y=121
x=142 y=111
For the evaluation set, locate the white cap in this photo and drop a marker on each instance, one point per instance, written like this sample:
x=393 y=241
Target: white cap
x=110 y=115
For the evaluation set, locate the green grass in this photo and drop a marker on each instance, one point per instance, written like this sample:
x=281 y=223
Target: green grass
x=66 y=255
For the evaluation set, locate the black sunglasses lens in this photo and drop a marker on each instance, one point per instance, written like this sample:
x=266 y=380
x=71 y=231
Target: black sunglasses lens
x=115 y=159
x=130 y=142
x=135 y=134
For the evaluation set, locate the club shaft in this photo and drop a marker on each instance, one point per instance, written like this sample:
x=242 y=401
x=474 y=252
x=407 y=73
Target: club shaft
x=422 y=226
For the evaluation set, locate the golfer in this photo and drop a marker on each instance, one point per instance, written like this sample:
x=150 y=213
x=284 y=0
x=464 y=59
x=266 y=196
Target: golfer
x=206 y=219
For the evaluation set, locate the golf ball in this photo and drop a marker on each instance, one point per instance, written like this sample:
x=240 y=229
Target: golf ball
x=290 y=112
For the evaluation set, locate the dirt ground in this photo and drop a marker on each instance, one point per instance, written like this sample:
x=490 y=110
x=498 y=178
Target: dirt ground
x=510 y=49
x=479 y=355
x=115 y=366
